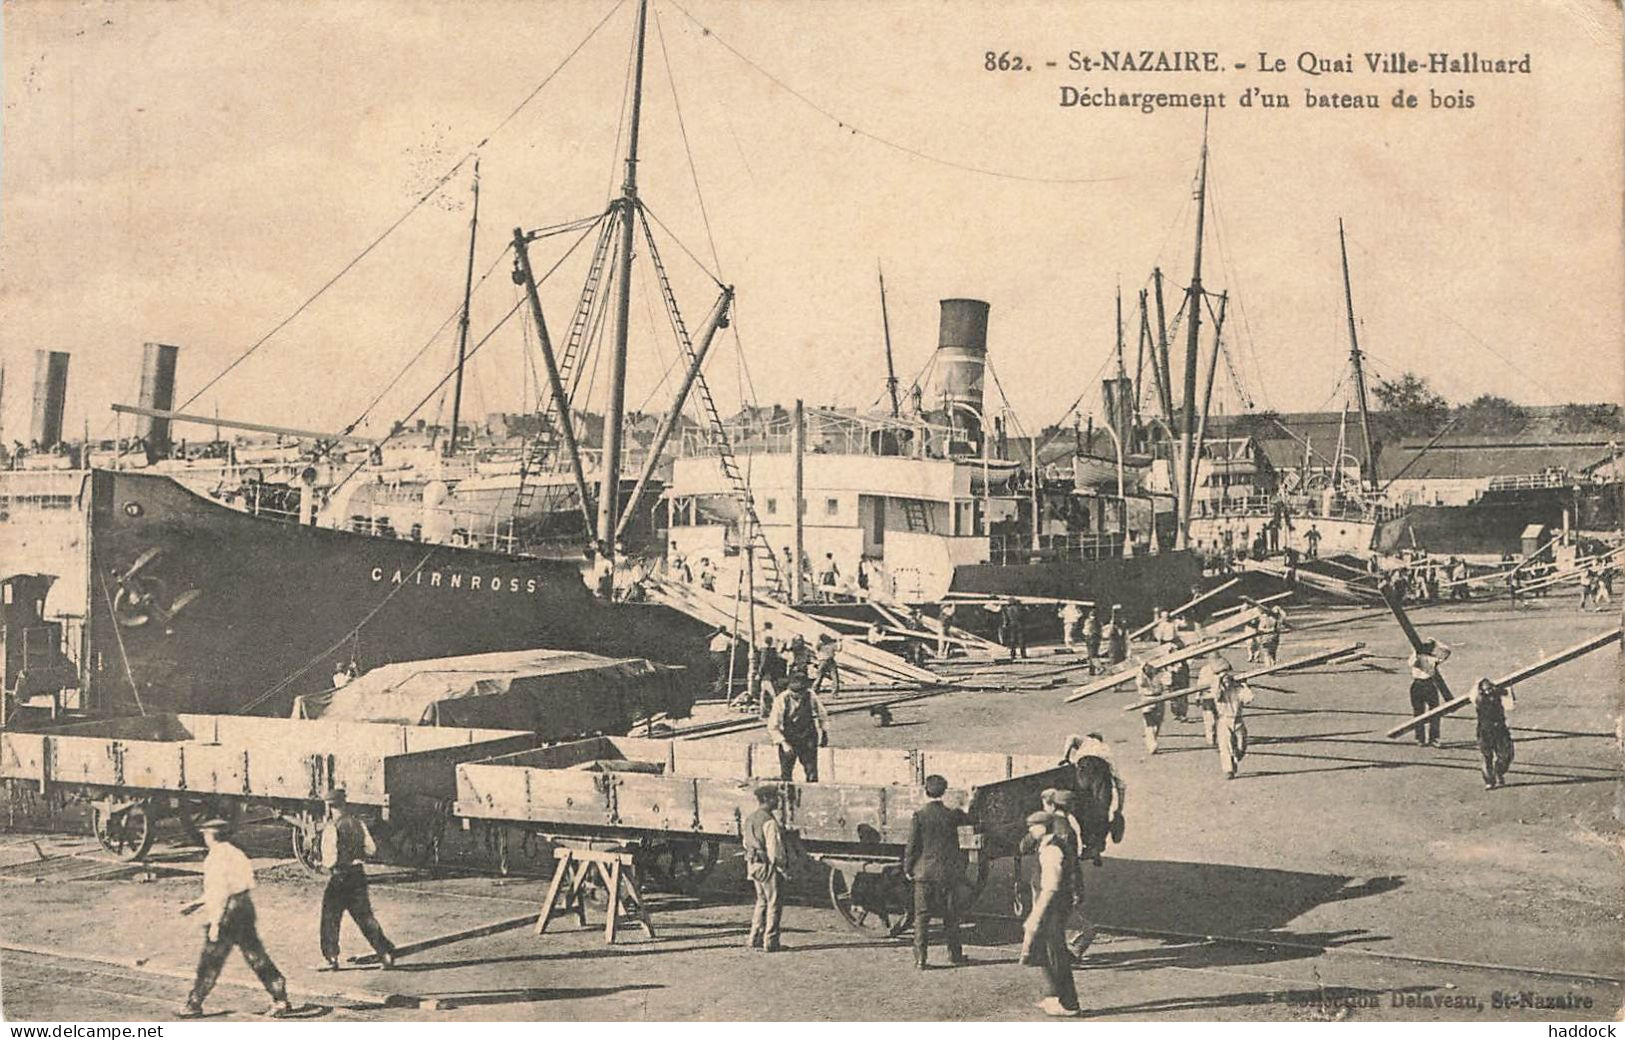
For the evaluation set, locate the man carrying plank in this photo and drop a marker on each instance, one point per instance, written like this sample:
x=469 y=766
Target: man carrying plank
x=1494 y=738
x=1425 y=687
x=1228 y=701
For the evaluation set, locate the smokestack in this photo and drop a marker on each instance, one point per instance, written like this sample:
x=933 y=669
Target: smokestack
x=962 y=363
x=1118 y=397
x=50 y=397
x=158 y=393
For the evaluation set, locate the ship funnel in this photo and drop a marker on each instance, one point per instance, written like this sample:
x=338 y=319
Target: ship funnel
x=158 y=393
x=1117 y=395
x=50 y=398
x=962 y=364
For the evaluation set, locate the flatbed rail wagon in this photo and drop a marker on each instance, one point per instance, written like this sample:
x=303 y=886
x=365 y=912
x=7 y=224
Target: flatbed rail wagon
x=680 y=801
x=138 y=770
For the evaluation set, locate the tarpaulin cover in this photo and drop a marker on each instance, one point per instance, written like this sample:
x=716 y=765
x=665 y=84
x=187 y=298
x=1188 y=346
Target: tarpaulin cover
x=559 y=694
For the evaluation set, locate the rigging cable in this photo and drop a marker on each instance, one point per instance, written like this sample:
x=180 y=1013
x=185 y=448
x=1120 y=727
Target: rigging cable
x=744 y=379
x=425 y=197
x=876 y=138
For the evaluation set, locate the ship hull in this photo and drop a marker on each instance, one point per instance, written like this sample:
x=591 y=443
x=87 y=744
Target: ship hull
x=195 y=607
x=1139 y=584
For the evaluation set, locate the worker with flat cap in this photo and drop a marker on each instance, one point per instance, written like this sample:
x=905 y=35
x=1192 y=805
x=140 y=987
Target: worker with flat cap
x=228 y=921
x=933 y=860
x=766 y=863
x=346 y=846
x=1043 y=940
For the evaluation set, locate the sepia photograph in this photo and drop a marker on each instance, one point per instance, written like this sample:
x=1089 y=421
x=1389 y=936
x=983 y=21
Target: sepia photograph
x=702 y=511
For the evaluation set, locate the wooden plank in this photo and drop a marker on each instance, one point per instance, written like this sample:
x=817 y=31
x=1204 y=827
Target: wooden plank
x=1248 y=603
x=561 y=868
x=1319 y=657
x=1188 y=604
x=1545 y=664
x=1156 y=661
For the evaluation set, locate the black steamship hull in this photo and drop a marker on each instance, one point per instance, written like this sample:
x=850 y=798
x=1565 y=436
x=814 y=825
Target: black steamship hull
x=195 y=607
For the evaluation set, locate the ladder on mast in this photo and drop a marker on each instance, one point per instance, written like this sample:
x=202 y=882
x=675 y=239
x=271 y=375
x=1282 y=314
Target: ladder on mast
x=756 y=542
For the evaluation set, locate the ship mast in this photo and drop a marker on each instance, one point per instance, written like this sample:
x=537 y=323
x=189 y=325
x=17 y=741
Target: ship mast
x=462 y=327
x=614 y=416
x=1192 y=349
x=1368 y=471
x=885 y=324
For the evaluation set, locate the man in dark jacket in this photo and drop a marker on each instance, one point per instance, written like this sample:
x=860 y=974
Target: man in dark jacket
x=934 y=861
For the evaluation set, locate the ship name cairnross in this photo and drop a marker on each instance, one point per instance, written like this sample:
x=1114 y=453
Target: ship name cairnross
x=454 y=580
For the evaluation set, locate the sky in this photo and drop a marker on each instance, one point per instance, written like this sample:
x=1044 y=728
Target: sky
x=191 y=172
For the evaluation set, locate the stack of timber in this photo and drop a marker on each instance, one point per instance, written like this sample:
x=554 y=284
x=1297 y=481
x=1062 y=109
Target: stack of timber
x=859 y=661
x=1344 y=590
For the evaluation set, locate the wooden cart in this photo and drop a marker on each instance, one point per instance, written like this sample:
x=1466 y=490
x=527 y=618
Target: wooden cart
x=673 y=804
x=136 y=771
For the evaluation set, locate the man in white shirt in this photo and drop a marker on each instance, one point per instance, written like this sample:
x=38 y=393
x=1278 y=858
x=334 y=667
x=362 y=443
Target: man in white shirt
x=1229 y=697
x=1070 y=615
x=1207 y=696
x=1424 y=664
x=798 y=725
x=229 y=920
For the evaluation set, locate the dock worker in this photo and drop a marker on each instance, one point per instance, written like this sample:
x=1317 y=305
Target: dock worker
x=1115 y=636
x=933 y=860
x=1312 y=540
x=1149 y=682
x=228 y=921
x=1043 y=936
x=1079 y=931
x=1070 y=614
x=1268 y=626
x=946 y=616
x=721 y=650
x=828 y=668
x=1229 y=700
x=771 y=673
x=346 y=847
x=799 y=727
x=797 y=656
x=1492 y=702
x=829 y=576
x=1091 y=637
x=766 y=863
x=1170 y=638
x=1011 y=631
x=708 y=575
x=1098 y=780
x=1207 y=696
x=343 y=673
x=1458 y=578
x=1424 y=664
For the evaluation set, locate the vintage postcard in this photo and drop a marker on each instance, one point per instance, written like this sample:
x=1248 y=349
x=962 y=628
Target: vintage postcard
x=819 y=510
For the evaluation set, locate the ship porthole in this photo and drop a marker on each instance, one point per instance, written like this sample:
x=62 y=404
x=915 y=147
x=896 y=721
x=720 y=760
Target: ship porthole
x=133 y=509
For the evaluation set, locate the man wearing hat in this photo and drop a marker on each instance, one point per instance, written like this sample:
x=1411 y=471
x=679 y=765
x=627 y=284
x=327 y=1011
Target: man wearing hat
x=346 y=845
x=799 y=727
x=933 y=860
x=1424 y=663
x=229 y=920
x=766 y=860
x=1044 y=933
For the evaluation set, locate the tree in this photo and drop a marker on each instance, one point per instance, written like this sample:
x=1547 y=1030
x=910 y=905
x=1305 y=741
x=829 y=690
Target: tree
x=1412 y=406
x=1588 y=418
x=1488 y=413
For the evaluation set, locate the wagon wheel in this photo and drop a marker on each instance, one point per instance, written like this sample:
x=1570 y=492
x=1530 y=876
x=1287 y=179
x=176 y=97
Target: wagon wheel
x=193 y=810
x=126 y=833
x=306 y=837
x=417 y=842
x=977 y=884
x=874 y=903
x=681 y=865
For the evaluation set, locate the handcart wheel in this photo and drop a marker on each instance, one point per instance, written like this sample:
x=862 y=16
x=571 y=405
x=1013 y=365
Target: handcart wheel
x=681 y=865
x=126 y=833
x=872 y=902
x=306 y=837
